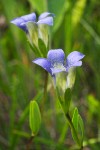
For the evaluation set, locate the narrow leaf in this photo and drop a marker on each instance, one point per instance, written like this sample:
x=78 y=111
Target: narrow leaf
x=81 y=124
x=67 y=98
x=75 y=119
x=74 y=137
x=34 y=117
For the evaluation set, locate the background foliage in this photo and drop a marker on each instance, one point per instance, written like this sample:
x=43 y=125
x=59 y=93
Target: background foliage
x=76 y=27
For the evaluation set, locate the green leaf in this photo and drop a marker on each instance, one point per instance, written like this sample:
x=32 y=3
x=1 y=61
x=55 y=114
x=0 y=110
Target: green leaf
x=75 y=119
x=67 y=98
x=78 y=125
x=75 y=137
x=38 y=5
x=81 y=124
x=34 y=117
x=75 y=124
x=42 y=47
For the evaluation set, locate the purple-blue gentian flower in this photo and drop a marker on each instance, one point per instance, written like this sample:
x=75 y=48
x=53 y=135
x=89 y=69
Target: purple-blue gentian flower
x=44 y=18
x=56 y=62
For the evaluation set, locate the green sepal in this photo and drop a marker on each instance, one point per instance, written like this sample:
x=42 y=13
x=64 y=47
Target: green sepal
x=59 y=97
x=35 y=50
x=67 y=100
x=34 y=117
x=42 y=47
x=32 y=33
x=43 y=33
x=71 y=77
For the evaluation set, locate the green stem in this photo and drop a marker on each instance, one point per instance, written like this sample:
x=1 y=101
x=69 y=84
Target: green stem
x=73 y=129
x=29 y=143
x=45 y=89
x=61 y=101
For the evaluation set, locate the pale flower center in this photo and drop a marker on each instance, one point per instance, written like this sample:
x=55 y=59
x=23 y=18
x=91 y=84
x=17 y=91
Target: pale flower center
x=57 y=67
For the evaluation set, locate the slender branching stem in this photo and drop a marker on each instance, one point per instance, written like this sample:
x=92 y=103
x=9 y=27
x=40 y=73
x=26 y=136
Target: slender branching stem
x=75 y=133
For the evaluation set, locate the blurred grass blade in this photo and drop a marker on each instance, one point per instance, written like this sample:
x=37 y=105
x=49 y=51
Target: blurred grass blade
x=78 y=11
x=58 y=7
x=68 y=28
x=63 y=134
x=91 y=31
x=39 y=5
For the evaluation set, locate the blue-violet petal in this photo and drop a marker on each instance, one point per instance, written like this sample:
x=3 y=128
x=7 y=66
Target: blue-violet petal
x=48 y=21
x=73 y=59
x=56 y=56
x=46 y=14
x=29 y=17
x=44 y=63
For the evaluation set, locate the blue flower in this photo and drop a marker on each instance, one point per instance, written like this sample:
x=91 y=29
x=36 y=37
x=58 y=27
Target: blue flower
x=44 y=18
x=56 y=62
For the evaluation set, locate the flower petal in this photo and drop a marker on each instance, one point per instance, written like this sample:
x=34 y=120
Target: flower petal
x=56 y=56
x=78 y=63
x=29 y=17
x=45 y=14
x=57 y=70
x=47 y=20
x=44 y=63
x=21 y=21
x=73 y=59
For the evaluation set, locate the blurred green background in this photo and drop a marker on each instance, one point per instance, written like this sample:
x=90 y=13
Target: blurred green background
x=76 y=27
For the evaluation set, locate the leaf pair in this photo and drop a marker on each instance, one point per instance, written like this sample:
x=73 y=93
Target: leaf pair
x=78 y=125
x=65 y=102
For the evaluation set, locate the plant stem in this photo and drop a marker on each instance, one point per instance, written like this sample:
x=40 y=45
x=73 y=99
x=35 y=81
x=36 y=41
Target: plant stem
x=69 y=121
x=73 y=129
x=45 y=89
x=29 y=143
